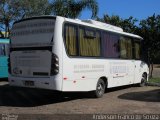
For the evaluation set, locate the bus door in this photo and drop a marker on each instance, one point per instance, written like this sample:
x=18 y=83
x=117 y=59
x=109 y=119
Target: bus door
x=138 y=63
x=130 y=75
x=127 y=65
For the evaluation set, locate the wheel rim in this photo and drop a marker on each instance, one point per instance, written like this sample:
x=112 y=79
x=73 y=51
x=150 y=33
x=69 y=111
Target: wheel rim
x=100 y=88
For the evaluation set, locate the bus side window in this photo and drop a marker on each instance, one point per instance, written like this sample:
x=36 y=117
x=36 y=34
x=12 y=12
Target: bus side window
x=110 y=45
x=89 y=42
x=137 y=48
x=2 y=49
x=71 y=39
x=126 y=48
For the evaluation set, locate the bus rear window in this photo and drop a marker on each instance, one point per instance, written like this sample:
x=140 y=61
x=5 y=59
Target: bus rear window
x=33 y=32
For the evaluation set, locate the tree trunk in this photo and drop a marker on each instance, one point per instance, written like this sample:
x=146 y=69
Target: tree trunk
x=149 y=64
x=5 y=34
x=151 y=70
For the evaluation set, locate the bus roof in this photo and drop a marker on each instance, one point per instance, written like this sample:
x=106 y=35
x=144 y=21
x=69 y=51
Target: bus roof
x=89 y=23
x=103 y=26
x=3 y=40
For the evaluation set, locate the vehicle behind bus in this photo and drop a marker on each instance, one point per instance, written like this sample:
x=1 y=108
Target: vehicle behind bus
x=63 y=54
x=4 y=50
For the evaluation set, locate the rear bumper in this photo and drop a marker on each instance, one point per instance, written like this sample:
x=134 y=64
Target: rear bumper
x=43 y=83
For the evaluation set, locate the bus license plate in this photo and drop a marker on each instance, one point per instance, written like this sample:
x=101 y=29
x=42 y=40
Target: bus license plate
x=29 y=83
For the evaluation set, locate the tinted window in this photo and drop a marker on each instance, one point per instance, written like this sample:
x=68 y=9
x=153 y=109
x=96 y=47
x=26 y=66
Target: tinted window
x=71 y=39
x=126 y=47
x=89 y=42
x=137 y=50
x=110 y=45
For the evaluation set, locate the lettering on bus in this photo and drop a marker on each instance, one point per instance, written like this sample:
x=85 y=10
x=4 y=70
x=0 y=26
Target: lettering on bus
x=34 y=31
x=120 y=68
x=35 y=24
x=82 y=68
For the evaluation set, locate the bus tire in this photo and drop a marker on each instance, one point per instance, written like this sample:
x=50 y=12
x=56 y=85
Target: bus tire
x=143 y=81
x=100 y=89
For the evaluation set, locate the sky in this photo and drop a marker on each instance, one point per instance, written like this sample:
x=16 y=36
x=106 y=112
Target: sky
x=139 y=9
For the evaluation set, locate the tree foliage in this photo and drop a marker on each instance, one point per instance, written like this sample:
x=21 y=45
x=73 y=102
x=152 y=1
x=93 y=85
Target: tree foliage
x=127 y=25
x=149 y=29
x=8 y=14
x=13 y=10
x=73 y=8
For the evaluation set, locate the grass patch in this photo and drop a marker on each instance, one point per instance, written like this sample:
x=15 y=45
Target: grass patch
x=155 y=80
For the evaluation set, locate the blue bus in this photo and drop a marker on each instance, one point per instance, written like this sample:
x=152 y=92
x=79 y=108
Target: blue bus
x=4 y=51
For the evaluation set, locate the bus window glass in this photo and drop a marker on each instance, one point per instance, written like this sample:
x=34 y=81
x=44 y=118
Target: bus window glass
x=71 y=39
x=110 y=45
x=89 y=45
x=2 y=49
x=125 y=48
x=7 y=49
x=137 y=50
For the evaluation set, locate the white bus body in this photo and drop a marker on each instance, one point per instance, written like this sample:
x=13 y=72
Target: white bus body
x=39 y=57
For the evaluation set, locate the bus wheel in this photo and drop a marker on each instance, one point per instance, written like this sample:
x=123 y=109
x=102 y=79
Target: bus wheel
x=100 y=89
x=143 y=80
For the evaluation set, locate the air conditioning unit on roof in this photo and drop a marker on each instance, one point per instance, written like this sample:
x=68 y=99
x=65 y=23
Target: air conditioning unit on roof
x=104 y=25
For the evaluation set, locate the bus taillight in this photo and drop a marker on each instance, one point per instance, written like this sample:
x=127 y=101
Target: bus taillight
x=54 y=65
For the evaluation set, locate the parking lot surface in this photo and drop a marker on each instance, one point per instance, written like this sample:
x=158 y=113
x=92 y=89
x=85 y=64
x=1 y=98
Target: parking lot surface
x=121 y=100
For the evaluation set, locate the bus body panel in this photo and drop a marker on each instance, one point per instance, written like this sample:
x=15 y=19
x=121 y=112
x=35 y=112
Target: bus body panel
x=75 y=73
x=31 y=63
x=53 y=82
x=82 y=74
x=140 y=68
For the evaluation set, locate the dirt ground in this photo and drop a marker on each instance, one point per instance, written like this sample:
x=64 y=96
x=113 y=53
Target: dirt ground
x=121 y=100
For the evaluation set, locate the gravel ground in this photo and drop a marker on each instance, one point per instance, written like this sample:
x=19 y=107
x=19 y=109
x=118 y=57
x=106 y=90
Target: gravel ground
x=121 y=100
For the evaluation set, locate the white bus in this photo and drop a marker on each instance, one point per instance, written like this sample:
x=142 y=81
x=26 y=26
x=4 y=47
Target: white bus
x=64 y=54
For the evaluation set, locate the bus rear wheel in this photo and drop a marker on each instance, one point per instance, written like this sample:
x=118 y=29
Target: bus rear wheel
x=143 y=81
x=100 y=89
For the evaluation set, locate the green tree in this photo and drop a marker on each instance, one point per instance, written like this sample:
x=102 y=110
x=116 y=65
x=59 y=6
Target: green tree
x=73 y=8
x=8 y=13
x=113 y=20
x=34 y=8
x=128 y=25
x=149 y=29
x=11 y=11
